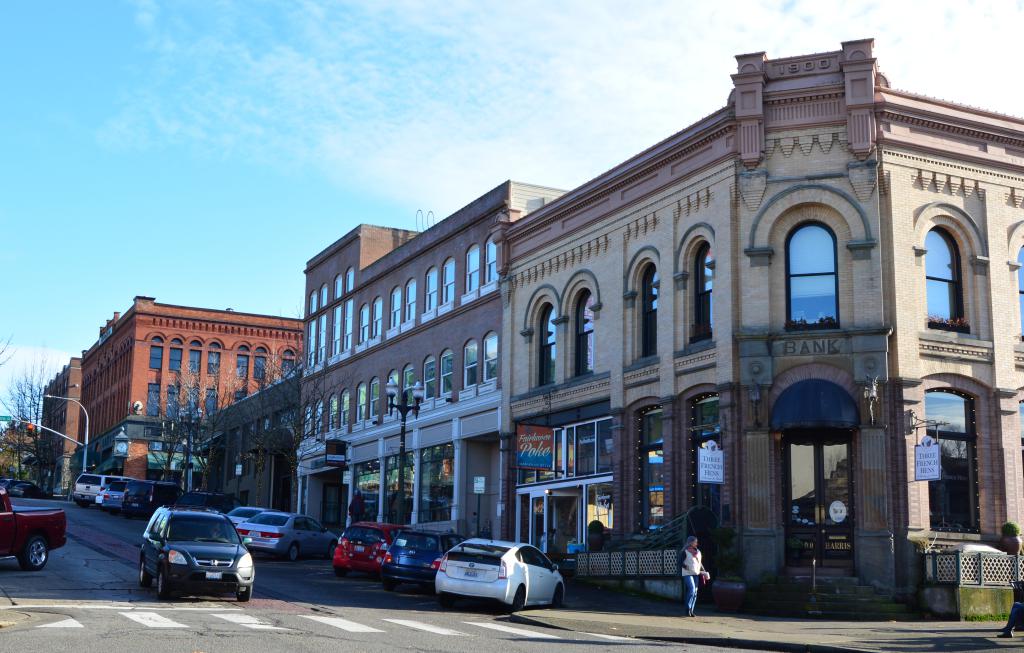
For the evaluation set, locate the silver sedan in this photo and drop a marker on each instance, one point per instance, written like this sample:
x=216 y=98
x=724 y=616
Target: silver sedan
x=289 y=535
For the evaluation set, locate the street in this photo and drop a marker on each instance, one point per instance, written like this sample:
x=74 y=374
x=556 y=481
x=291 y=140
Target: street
x=88 y=599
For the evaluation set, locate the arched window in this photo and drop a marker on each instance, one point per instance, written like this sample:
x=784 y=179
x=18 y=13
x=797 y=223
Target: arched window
x=323 y=295
x=410 y=300
x=942 y=273
x=811 y=282
x=1020 y=288
x=472 y=269
x=704 y=426
x=345 y=399
x=349 y=318
x=546 y=349
x=374 y=397
x=195 y=343
x=287 y=361
x=177 y=341
x=339 y=286
x=429 y=378
x=156 y=354
x=584 y=326
x=350 y=280
x=430 y=291
x=491 y=252
x=378 y=317
x=490 y=357
x=307 y=423
x=703 y=280
x=447 y=367
x=312 y=302
x=396 y=306
x=393 y=377
x=652 y=460
x=332 y=422
x=364 y=323
x=213 y=358
x=448 y=282
x=649 y=312
x=408 y=381
x=470 y=364
x=319 y=423
x=361 y=413
x=953 y=500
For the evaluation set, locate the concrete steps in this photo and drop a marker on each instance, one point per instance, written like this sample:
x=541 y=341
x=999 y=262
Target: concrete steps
x=833 y=598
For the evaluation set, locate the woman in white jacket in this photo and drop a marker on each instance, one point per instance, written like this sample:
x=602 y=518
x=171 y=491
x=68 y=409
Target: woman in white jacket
x=691 y=568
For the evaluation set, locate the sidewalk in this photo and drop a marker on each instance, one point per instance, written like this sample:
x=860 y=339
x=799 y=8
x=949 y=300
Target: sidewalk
x=594 y=609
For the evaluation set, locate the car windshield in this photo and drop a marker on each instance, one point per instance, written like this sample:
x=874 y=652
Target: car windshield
x=270 y=519
x=190 y=529
x=117 y=486
x=245 y=512
x=191 y=499
x=418 y=541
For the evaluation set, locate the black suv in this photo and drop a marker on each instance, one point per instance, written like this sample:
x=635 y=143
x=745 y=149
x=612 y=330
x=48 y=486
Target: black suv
x=142 y=498
x=224 y=503
x=195 y=551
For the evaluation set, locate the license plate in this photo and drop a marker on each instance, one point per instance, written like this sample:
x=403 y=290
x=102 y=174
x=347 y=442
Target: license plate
x=359 y=549
x=214 y=575
x=469 y=573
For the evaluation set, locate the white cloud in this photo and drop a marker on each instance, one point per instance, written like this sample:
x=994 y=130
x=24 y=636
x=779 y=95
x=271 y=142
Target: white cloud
x=434 y=103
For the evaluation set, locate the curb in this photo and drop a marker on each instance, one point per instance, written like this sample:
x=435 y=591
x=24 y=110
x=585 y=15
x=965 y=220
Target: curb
x=710 y=640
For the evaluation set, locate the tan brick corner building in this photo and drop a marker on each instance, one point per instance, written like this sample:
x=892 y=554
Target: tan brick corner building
x=790 y=277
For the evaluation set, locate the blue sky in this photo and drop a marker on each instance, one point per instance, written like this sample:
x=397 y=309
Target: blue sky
x=201 y=151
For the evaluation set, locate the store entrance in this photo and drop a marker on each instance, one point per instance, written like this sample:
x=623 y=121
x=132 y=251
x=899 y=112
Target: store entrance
x=819 y=512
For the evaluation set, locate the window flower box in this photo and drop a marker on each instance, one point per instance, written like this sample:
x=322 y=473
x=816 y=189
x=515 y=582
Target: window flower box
x=954 y=324
x=827 y=322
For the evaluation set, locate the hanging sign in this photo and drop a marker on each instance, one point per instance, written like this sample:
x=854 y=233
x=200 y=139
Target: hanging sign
x=335 y=452
x=710 y=463
x=927 y=460
x=479 y=485
x=535 y=447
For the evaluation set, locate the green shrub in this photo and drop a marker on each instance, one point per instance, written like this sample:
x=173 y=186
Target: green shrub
x=1011 y=528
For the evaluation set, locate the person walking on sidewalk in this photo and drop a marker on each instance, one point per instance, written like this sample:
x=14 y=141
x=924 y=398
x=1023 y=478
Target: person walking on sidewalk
x=691 y=568
x=1014 y=622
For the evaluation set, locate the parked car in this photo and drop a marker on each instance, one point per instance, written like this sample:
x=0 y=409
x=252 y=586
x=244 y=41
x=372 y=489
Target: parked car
x=194 y=551
x=223 y=503
x=514 y=574
x=88 y=485
x=27 y=490
x=290 y=535
x=242 y=513
x=112 y=496
x=142 y=498
x=414 y=557
x=362 y=547
x=30 y=533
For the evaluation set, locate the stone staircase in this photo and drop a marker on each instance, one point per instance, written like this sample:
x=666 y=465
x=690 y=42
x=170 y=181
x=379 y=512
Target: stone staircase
x=839 y=598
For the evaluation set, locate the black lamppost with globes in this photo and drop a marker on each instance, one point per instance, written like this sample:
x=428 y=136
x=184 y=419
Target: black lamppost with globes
x=404 y=408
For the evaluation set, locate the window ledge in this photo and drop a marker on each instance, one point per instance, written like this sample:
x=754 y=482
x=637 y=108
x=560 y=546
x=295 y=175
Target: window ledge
x=428 y=315
x=489 y=386
x=641 y=363
x=694 y=347
x=468 y=393
x=392 y=332
x=445 y=308
x=372 y=342
x=345 y=354
x=952 y=336
x=470 y=296
x=489 y=287
x=408 y=325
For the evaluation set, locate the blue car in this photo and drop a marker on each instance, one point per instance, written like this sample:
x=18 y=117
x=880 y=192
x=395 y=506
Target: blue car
x=414 y=557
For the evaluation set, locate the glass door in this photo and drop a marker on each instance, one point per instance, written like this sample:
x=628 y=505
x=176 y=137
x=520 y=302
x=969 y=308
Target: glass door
x=819 y=508
x=563 y=522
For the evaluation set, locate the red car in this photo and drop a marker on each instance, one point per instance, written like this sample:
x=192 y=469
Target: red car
x=362 y=547
x=30 y=533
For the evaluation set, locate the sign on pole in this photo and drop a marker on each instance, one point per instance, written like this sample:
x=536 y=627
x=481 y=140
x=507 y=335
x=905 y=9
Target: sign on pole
x=535 y=447
x=5 y=418
x=479 y=484
x=927 y=460
x=710 y=463
x=238 y=469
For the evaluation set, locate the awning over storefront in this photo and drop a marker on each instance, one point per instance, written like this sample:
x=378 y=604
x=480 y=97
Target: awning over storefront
x=814 y=403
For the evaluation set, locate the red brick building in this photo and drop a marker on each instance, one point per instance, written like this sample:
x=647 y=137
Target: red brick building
x=64 y=417
x=133 y=374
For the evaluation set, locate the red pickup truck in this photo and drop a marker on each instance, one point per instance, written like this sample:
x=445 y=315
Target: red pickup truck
x=30 y=533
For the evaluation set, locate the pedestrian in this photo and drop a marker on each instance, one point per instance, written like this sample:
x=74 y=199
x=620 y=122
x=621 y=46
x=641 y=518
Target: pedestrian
x=691 y=569
x=356 y=508
x=1016 y=615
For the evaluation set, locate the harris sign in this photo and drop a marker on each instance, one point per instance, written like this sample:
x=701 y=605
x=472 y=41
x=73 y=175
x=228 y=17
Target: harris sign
x=535 y=447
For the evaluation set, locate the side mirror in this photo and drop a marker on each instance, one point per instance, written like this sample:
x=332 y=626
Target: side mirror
x=246 y=541
x=554 y=567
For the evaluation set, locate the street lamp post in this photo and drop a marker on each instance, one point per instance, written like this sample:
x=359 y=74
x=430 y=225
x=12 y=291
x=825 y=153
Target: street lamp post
x=404 y=408
x=85 y=449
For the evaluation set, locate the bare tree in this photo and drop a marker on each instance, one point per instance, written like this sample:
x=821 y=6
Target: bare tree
x=25 y=402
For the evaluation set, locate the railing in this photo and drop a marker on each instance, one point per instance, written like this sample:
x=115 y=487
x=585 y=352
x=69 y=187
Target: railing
x=627 y=564
x=982 y=569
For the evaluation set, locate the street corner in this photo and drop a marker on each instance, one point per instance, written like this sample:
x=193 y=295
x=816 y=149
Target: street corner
x=10 y=619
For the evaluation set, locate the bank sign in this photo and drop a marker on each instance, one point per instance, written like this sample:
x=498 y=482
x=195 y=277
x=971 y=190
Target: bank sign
x=535 y=447
x=927 y=460
x=710 y=463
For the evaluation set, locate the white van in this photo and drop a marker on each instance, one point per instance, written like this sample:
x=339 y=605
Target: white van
x=87 y=486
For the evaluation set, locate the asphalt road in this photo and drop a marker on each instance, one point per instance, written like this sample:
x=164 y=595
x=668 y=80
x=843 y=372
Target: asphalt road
x=87 y=599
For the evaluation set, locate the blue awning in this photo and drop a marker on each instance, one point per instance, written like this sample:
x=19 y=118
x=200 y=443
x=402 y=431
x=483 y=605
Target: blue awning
x=814 y=403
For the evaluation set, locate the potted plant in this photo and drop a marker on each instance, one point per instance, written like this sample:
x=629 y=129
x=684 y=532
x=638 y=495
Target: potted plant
x=794 y=547
x=729 y=588
x=1011 y=540
x=595 y=535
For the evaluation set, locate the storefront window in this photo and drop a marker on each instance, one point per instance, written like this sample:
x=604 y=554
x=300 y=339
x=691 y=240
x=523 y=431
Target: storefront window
x=954 y=498
x=652 y=459
x=605 y=446
x=391 y=499
x=437 y=482
x=599 y=504
x=580 y=450
x=586 y=449
x=367 y=481
x=704 y=426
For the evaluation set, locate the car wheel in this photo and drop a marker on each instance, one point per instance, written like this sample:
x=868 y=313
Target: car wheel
x=330 y=549
x=145 y=580
x=519 y=600
x=35 y=554
x=428 y=588
x=446 y=601
x=389 y=585
x=293 y=552
x=340 y=572
x=558 y=597
x=163 y=590
x=244 y=594
x=82 y=504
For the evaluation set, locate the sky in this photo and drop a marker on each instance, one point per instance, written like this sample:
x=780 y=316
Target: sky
x=201 y=151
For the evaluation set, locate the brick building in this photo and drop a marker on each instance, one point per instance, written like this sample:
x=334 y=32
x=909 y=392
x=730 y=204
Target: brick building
x=392 y=304
x=862 y=247
x=64 y=417
x=156 y=360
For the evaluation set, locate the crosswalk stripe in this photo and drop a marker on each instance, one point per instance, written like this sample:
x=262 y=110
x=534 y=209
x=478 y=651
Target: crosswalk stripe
x=511 y=630
x=246 y=620
x=614 y=638
x=343 y=624
x=419 y=625
x=63 y=623
x=152 y=620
